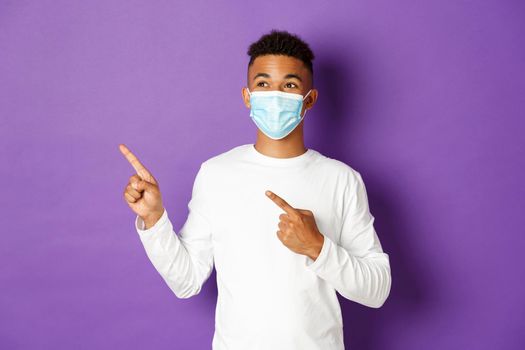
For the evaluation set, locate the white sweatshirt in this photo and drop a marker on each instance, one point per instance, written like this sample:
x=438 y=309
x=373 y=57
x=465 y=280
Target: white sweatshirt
x=270 y=297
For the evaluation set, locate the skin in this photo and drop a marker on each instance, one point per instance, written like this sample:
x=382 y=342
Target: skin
x=298 y=230
x=142 y=193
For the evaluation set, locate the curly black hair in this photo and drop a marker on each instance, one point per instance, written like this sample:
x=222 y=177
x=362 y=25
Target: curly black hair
x=281 y=42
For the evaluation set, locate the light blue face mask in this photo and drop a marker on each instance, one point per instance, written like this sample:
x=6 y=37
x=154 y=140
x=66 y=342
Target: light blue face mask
x=276 y=113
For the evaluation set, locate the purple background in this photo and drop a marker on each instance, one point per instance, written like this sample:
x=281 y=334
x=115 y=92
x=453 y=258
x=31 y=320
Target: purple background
x=424 y=99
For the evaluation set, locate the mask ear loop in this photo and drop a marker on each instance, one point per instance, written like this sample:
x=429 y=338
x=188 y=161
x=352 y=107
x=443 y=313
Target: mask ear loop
x=249 y=92
x=307 y=94
x=306 y=109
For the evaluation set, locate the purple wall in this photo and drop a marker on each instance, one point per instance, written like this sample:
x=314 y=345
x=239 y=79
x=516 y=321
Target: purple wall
x=424 y=99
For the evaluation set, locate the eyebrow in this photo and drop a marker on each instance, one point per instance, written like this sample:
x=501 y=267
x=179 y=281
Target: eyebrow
x=287 y=76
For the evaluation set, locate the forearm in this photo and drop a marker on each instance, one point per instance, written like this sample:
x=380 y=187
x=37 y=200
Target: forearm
x=169 y=256
x=365 y=280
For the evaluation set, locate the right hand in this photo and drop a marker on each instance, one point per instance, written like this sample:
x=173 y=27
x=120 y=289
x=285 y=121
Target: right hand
x=142 y=192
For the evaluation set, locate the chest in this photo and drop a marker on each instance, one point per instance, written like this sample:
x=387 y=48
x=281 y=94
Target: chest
x=243 y=216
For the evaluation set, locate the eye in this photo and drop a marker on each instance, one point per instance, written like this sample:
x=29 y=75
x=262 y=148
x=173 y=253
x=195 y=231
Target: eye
x=291 y=87
x=261 y=82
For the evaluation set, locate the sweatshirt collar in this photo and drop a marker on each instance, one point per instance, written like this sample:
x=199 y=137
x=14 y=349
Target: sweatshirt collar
x=257 y=156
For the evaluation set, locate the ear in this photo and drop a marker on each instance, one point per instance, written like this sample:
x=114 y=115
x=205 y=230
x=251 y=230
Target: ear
x=245 y=97
x=311 y=99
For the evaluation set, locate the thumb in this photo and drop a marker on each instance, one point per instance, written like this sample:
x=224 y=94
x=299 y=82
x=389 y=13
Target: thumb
x=142 y=186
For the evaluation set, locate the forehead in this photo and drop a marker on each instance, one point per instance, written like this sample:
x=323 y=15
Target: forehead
x=278 y=66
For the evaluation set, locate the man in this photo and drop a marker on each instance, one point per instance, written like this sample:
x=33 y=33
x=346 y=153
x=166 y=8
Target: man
x=285 y=226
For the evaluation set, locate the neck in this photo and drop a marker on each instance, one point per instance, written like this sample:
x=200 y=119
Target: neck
x=290 y=146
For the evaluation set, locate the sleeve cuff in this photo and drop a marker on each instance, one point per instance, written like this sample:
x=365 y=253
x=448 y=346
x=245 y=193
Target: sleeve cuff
x=144 y=233
x=317 y=264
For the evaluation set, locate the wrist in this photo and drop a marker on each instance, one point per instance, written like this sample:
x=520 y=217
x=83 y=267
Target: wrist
x=151 y=219
x=316 y=250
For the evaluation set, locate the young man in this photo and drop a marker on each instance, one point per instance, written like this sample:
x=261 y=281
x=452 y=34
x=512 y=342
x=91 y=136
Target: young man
x=285 y=226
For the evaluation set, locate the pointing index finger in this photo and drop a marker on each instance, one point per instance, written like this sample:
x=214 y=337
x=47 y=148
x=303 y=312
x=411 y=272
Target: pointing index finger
x=281 y=203
x=137 y=165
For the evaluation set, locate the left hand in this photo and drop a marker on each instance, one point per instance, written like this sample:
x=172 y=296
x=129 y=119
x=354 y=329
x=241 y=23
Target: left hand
x=297 y=229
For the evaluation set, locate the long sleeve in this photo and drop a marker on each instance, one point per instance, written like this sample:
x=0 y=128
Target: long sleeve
x=357 y=267
x=184 y=261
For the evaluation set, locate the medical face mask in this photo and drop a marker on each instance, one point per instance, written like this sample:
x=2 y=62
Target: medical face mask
x=276 y=113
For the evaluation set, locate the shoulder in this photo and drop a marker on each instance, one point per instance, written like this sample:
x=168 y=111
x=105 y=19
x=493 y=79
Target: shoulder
x=340 y=169
x=223 y=159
